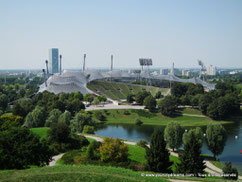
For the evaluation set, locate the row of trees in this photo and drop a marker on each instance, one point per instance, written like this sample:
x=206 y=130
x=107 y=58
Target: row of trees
x=192 y=162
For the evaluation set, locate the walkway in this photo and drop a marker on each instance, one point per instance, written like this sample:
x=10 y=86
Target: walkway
x=112 y=106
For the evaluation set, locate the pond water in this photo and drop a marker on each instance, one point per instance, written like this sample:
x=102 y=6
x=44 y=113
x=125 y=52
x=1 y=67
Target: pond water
x=135 y=133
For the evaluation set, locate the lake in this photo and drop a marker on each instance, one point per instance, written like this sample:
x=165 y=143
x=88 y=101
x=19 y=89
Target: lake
x=135 y=133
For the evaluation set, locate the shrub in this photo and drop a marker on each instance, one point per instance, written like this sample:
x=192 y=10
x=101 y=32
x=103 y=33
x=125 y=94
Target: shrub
x=9 y=121
x=126 y=112
x=142 y=143
x=99 y=115
x=232 y=172
x=92 y=152
x=113 y=150
x=138 y=122
x=88 y=129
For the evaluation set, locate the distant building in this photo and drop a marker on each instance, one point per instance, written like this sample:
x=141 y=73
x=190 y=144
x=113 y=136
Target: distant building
x=54 y=60
x=186 y=73
x=164 y=71
x=210 y=69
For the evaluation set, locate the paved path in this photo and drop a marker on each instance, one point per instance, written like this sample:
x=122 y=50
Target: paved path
x=113 y=106
x=54 y=159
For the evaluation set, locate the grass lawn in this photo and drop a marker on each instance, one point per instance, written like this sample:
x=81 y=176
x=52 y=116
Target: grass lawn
x=115 y=116
x=84 y=173
x=42 y=132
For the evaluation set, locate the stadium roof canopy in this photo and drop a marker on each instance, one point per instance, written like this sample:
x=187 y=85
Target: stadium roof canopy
x=70 y=81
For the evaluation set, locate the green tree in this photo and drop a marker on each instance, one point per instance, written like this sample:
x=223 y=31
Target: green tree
x=35 y=118
x=168 y=106
x=53 y=117
x=3 y=102
x=78 y=95
x=173 y=135
x=65 y=118
x=79 y=121
x=88 y=97
x=113 y=150
x=9 y=121
x=140 y=96
x=75 y=106
x=229 y=170
x=198 y=132
x=157 y=155
x=96 y=101
x=216 y=138
x=158 y=95
x=191 y=159
x=150 y=103
x=20 y=148
x=130 y=98
x=22 y=107
x=204 y=102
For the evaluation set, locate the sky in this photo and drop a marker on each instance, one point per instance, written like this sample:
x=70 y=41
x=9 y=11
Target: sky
x=179 y=31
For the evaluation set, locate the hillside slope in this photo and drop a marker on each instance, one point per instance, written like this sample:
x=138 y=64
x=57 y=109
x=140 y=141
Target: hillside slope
x=83 y=173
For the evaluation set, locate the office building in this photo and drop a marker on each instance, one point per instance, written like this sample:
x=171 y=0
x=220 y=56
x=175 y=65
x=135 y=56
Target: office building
x=54 y=60
x=210 y=69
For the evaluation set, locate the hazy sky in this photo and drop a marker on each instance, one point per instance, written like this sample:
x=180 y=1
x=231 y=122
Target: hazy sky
x=167 y=31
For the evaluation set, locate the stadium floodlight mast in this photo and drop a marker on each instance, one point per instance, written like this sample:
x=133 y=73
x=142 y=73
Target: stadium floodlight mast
x=47 y=69
x=146 y=62
x=44 y=77
x=84 y=62
x=60 y=63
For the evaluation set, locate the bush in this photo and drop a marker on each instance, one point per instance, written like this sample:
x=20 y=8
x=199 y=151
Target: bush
x=232 y=172
x=142 y=143
x=9 y=121
x=88 y=129
x=99 y=115
x=139 y=167
x=138 y=122
x=126 y=112
x=113 y=150
x=92 y=151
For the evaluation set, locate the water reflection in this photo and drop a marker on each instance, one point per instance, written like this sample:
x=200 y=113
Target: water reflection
x=135 y=133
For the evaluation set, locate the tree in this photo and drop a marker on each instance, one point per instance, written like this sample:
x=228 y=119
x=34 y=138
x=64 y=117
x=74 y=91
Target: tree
x=231 y=172
x=3 y=102
x=140 y=96
x=79 y=121
x=204 y=102
x=168 y=106
x=197 y=132
x=157 y=155
x=173 y=135
x=158 y=95
x=216 y=138
x=53 y=117
x=35 y=118
x=178 y=89
x=150 y=103
x=78 y=95
x=22 y=107
x=96 y=101
x=88 y=97
x=113 y=150
x=191 y=159
x=61 y=139
x=19 y=148
x=130 y=98
x=88 y=129
x=75 y=106
x=9 y=121
x=65 y=118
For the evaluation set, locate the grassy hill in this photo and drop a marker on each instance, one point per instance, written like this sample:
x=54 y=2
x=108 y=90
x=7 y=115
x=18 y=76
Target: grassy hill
x=115 y=90
x=83 y=173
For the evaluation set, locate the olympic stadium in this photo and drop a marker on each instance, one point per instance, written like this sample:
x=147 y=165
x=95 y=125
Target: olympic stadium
x=73 y=81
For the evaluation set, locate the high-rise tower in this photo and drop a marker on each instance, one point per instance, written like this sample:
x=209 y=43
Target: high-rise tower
x=54 y=60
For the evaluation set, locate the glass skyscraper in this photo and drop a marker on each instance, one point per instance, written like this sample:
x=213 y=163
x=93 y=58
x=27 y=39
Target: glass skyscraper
x=54 y=60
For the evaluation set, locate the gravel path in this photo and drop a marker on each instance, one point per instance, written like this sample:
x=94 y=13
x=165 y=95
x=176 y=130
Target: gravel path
x=54 y=159
x=112 y=106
